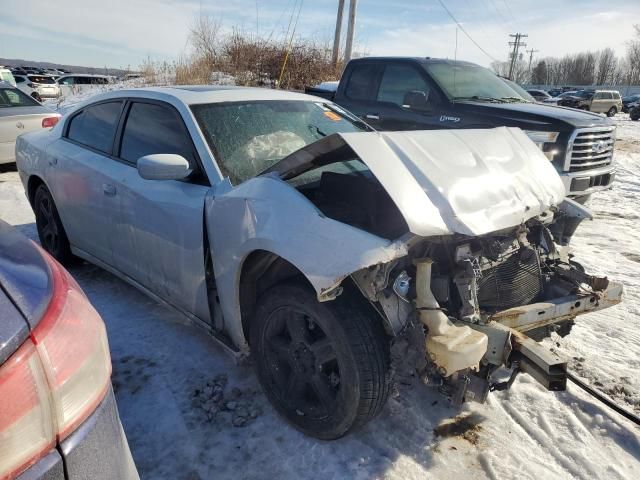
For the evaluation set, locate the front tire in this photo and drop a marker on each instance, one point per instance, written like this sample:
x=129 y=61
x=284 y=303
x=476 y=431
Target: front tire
x=612 y=111
x=53 y=237
x=323 y=366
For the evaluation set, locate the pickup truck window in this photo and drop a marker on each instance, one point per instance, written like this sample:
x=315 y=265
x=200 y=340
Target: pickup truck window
x=397 y=81
x=12 y=97
x=471 y=82
x=361 y=83
x=249 y=137
x=95 y=126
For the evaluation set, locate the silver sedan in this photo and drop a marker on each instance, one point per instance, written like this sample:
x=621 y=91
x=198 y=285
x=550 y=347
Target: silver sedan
x=282 y=223
x=19 y=114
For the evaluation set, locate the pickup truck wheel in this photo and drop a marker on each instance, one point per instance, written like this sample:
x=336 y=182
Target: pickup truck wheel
x=612 y=111
x=52 y=236
x=323 y=366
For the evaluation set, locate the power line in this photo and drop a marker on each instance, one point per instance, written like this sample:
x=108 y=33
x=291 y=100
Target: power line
x=466 y=33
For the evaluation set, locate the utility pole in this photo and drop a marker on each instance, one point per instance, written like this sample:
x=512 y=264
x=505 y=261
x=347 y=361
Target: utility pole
x=336 y=37
x=531 y=52
x=353 y=4
x=514 y=55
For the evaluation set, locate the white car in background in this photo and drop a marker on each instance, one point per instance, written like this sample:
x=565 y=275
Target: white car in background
x=38 y=86
x=7 y=76
x=24 y=84
x=19 y=114
x=81 y=82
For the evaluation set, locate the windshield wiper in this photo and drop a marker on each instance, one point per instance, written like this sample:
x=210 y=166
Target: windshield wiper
x=515 y=100
x=478 y=98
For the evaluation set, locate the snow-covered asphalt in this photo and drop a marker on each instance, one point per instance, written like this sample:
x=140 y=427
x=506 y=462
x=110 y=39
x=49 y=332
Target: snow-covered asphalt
x=167 y=375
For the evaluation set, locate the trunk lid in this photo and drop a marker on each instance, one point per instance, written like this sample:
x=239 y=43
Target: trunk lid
x=15 y=121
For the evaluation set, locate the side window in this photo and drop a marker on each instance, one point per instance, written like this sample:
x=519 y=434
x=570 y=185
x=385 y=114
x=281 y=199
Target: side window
x=361 y=82
x=83 y=80
x=67 y=81
x=95 y=126
x=153 y=128
x=608 y=95
x=598 y=96
x=398 y=80
x=19 y=79
x=616 y=96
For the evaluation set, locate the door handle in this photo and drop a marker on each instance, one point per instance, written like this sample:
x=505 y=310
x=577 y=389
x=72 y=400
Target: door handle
x=372 y=116
x=108 y=189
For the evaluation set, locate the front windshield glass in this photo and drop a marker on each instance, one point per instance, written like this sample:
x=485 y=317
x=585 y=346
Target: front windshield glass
x=249 y=137
x=463 y=81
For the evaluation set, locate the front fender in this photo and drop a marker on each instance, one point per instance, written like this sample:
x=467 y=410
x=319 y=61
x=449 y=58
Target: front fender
x=265 y=213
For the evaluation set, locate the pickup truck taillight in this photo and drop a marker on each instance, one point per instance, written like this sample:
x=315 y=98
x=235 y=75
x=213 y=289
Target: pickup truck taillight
x=55 y=380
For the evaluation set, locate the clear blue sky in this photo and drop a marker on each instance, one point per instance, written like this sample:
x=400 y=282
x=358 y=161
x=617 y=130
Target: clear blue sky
x=121 y=33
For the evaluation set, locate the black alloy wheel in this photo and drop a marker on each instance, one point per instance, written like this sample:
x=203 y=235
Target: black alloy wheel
x=324 y=366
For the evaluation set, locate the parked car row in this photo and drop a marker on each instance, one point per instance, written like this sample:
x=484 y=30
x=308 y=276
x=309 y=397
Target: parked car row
x=44 y=86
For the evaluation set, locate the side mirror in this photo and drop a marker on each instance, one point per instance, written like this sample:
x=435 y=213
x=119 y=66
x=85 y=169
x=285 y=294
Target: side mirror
x=163 y=166
x=416 y=100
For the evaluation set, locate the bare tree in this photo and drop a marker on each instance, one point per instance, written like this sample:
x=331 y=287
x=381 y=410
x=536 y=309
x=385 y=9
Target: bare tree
x=607 y=64
x=204 y=37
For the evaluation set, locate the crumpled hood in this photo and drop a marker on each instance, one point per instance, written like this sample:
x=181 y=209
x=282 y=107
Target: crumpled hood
x=448 y=181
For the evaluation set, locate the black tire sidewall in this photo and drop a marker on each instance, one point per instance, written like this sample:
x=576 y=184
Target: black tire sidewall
x=342 y=419
x=63 y=252
x=612 y=111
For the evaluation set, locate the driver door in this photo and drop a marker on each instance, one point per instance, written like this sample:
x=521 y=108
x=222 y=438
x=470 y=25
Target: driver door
x=160 y=241
x=406 y=100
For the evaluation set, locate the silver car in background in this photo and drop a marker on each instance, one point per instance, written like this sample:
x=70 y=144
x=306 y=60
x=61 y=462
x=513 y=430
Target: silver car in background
x=336 y=255
x=19 y=113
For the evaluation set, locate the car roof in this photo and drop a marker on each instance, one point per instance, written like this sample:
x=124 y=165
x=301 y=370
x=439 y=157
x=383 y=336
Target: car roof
x=424 y=60
x=91 y=75
x=198 y=94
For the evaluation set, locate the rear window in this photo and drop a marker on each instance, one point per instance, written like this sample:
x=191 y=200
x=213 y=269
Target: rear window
x=95 y=126
x=12 y=97
x=41 y=79
x=7 y=76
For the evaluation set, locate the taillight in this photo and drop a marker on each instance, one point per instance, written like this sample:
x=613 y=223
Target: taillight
x=50 y=122
x=55 y=380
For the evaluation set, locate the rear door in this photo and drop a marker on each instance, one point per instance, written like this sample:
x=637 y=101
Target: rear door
x=160 y=227
x=83 y=185
x=599 y=102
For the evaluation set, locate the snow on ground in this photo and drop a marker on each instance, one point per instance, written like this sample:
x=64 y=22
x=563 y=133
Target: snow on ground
x=160 y=362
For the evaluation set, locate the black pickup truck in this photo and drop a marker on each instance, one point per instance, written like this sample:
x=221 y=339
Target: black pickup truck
x=400 y=93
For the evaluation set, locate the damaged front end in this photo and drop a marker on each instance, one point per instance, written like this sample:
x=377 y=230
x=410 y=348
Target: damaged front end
x=488 y=271
x=481 y=303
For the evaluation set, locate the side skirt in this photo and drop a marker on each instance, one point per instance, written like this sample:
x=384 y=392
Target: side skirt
x=237 y=355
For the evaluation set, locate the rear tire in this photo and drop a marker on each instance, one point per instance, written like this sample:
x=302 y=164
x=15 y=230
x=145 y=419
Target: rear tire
x=323 y=366
x=53 y=237
x=612 y=111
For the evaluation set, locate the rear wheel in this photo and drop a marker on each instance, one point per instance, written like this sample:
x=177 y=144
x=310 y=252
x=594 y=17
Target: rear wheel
x=52 y=236
x=612 y=111
x=324 y=366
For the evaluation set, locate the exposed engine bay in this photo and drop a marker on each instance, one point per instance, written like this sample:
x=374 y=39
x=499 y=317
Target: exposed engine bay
x=459 y=306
